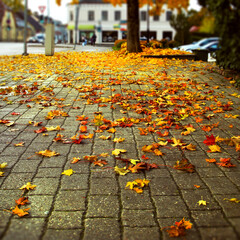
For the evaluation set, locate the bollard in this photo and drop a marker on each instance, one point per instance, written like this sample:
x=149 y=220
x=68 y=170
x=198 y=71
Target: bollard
x=49 y=40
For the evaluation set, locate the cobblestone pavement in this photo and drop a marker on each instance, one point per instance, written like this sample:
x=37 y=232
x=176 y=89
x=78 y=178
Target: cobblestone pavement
x=165 y=99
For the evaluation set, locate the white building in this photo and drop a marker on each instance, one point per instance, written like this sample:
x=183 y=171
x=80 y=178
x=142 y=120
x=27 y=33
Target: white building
x=109 y=23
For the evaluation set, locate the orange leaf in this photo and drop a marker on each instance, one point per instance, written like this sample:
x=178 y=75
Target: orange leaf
x=22 y=201
x=83 y=129
x=20 y=212
x=211 y=160
x=47 y=153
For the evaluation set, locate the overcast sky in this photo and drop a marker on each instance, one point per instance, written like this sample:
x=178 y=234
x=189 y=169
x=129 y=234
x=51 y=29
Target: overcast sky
x=60 y=13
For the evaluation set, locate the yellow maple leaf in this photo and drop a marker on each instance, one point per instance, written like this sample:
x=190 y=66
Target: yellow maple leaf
x=116 y=152
x=202 y=202
x=52 y=128
x=121 y=171
x=1 y=174
x=104 y=155
x=28 y=186
x=105 y=137
x=214 y=148
x=177 y=142
x=111 y=130
x=118 y=140
x=131 y=185
x=158 y=152
x=232 y=200
x=3 y=165
x=134 y=161
x=47 y=153
x=68 y=172
x=21 y=144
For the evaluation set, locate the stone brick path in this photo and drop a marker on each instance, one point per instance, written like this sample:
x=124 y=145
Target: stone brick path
x=93 y=203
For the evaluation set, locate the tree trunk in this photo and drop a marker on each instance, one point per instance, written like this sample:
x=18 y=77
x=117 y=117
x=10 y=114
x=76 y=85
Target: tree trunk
x=133 y=42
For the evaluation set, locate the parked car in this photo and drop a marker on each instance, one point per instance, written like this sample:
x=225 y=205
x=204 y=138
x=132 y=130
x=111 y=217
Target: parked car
x=199 y=44
x=32 y=39
x=40 y=37
x=212 y=46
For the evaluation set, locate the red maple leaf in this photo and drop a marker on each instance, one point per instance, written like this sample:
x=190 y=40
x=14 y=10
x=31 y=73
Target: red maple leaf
x=210 y=140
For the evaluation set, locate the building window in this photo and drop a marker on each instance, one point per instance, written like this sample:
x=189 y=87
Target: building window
x=143 y=16
x=71 y=16
x=117 y=15
x=156 y=18
x=168 y=15
x=104 y=15
x=90 y=15
x=167 y=35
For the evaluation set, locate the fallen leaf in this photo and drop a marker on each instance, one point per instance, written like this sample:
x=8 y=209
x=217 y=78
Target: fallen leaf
x=20 y=212
x=121 y=171
x=28 y=186
x=75 y=160
x=22 y=201
x=68 y=172
x=214 y=148
x=116 y=152
x=118 y=140
x=21 y=144
x=47 y=153
x=202 y=202
x=232 y=200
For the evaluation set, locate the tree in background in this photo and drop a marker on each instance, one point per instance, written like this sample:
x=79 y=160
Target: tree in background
x=15 y=5
x=133 y=43
x=227 y=15
x=181 y=24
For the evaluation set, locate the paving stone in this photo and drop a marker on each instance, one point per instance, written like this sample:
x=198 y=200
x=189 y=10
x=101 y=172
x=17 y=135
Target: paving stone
x=210 y=172
x=138 y=218
x=103 y=186
x=236 y=224
x=65 y=220
x=53 y=234
x=191 y=197
x=234 y=177
x=141 y=233
x=45 y=186
x=48 y=172
x=74 y=182
x=70 y=200
x=79 y=167
x=170 y=206
x=225 y=233
x=102 y=173
x=4 y=218
x=188 y=180
x=26 y=166
x=132 y=200
x=163 y=186
x=230 y=209
x=40 y=205
x=53 y=162
x=221 y=185
x=157 y=173
x=25 y=228
x=95 y=228
x=17 y=180
x=213 y=218
x=103 y=206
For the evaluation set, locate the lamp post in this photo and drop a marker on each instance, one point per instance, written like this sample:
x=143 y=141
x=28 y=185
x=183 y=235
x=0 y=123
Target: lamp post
x=25 y=28
x=76 y=24
x=148 y=31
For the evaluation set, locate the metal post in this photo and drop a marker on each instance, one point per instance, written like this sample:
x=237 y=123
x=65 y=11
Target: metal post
x=25 y=28
x=76 y=24
x=148 y=31
x=48 y=12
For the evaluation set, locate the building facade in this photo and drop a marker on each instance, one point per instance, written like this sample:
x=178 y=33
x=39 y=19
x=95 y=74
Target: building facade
x=109 y=23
